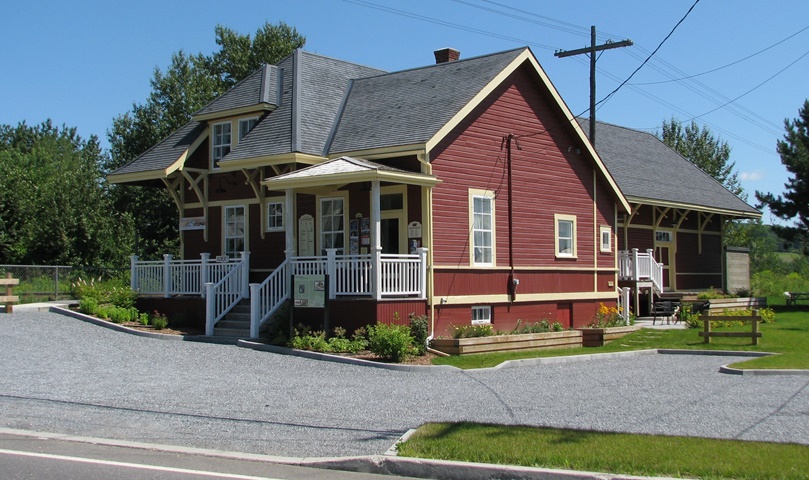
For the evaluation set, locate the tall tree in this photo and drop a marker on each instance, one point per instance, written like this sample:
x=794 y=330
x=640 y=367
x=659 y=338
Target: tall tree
x=54 y=205
x=698 y=146
x=794 y=203
x=190 y=82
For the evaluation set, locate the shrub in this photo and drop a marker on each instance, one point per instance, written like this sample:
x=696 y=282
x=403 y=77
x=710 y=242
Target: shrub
x=472 y=331
x=143 y=319
x=109 y=291
x=418 y=330
x=557 y=327
x=158 y=320
x=712 y=293
x=88 y=306
x=390 y=342
x=607 y=317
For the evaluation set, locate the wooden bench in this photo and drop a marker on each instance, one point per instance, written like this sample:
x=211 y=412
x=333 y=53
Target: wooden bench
x=707 y=333
x=793 y=297
x=9 y=299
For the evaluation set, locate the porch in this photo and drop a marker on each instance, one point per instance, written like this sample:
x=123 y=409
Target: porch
x=640 y=271
x=224 y=282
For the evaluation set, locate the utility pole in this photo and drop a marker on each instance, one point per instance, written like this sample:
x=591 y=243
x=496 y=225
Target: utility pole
x=591 y=50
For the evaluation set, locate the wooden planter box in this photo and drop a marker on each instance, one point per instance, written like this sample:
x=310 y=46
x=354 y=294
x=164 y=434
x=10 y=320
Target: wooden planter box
x=596 y=337
x=501 y=343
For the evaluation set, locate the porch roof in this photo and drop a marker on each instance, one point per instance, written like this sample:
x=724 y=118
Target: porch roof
x=343 y=170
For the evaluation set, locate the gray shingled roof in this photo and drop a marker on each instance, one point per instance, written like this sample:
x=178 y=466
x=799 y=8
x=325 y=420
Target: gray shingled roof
x=410 y=106
x=165 y=153
x=260 y=87
x=302 y=124
x=645 y=168
x=337 y=166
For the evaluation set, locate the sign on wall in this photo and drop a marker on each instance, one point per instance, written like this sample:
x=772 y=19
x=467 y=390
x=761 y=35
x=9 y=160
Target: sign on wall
x=306 y=236
x=192 y=223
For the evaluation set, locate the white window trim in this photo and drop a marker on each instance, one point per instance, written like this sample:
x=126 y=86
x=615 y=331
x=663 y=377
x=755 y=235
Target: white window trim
x=274 y=200
x=570 y=218
x=605 y=247
x=319 y=219
x=484 y=315
x=245 y=119
x=214 y=166
x=245 y=209
x=489 y=194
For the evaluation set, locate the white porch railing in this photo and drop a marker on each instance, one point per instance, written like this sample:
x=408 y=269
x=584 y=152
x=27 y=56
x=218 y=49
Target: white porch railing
x=267 y=297
x=169 y=277
x=222 y=296
x=640 y=267
x=623 y=303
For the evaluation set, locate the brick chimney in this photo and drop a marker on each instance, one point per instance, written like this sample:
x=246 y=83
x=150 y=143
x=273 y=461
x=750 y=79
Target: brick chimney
x=445 y=55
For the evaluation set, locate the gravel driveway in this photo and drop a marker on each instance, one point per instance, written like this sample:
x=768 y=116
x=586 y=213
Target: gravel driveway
x=66 y=376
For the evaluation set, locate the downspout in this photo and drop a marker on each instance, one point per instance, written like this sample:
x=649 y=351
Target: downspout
x=512 y=282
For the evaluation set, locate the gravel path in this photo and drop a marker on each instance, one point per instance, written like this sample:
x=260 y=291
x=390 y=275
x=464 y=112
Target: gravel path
x=66 y=376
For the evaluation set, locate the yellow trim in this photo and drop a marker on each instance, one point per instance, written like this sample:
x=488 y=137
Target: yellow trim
x=383 y=152
x=274 y=183
x=490 y=194
x=271 y=160
x=525 y=297
x=557 y=217
x=257 y=109
x=601 y=230
x=525 y=269
x=698 y=208
x=399 y=214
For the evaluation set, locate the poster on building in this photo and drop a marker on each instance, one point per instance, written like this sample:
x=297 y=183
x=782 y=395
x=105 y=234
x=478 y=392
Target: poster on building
x=309 y=291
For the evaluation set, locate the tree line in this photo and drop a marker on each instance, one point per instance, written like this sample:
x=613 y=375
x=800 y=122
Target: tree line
x=57 y=208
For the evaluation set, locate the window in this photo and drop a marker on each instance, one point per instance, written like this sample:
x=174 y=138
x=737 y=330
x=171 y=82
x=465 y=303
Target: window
x=481 y=315
x=332 y=224
x=565 y=235
x=220 y=140
x=481 y=205
x=606 y=239
x=245 y=125
x=275 y=216
x=235 y=228
x=663 y=236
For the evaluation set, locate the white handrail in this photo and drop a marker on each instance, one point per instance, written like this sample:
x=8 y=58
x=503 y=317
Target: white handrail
x=266 y=298
x=177 y=277
x=636 y=266
x=222 y=296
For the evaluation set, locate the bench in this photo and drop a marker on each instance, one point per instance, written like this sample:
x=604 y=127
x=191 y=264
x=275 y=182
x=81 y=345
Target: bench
x=793 y=297
x=9 y=299
x=754 y=334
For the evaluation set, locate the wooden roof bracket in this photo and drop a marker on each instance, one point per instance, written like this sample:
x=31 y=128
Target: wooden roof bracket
x=703 y=222
x=253 y=178
x=660 y=214
x=202 y=194
x=628 y=220
x=683 y=216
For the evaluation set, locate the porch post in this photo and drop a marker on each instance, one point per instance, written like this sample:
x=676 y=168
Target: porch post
x=203 y=273
x=376 y=240
x=331 y=271
x=289 y=223
x=167 y=275
x=133 y=272
x=245 y=274
x=422 y=272
x=635 y=269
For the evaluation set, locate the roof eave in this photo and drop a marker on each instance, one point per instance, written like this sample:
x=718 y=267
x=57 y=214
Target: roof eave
x=417 y=179
x=266 y=160
x=701 y=208
x=383 y=152
x=258 y=108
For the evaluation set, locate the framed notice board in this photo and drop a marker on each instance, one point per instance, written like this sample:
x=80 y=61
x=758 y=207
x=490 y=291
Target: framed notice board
x=309 y=291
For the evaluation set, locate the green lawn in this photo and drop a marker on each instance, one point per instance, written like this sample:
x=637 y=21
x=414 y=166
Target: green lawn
x=788 y=336
x=609 y=452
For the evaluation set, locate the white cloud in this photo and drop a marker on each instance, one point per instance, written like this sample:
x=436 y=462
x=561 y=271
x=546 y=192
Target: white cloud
x=751 y=176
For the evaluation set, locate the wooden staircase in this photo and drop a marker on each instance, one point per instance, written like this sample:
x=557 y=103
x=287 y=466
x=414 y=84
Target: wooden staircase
x=236 y=323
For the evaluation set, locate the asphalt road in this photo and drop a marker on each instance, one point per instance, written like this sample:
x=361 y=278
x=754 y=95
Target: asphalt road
x=63 y=375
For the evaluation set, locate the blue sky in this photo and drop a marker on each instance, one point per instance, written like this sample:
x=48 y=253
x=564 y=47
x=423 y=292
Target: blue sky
x=82 y=63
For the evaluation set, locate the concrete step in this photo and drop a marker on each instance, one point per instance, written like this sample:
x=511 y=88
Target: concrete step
x=230 y=323
x=239 y=317
x=231 y=332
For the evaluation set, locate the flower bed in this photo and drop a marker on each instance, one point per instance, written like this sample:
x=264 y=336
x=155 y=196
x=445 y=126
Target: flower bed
x=596 y=337
x=499 y=343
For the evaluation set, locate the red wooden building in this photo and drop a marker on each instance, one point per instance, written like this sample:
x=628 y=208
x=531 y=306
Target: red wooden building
x=463 y=190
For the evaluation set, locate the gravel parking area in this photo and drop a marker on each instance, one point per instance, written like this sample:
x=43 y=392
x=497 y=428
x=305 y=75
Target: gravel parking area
x=66 y=376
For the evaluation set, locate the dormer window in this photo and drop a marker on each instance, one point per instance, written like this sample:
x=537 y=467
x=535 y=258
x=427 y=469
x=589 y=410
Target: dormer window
x=245 y=125
x=220 y=140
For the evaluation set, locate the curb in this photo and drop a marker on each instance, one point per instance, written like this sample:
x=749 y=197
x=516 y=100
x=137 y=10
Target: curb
x=347 y=360
x=374 y=464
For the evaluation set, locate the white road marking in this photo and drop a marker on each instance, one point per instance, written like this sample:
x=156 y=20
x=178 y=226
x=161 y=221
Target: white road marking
x=132 y=465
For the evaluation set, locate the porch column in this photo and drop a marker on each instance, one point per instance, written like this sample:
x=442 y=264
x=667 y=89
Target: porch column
x=203 y=272
x=133 y=272
x=167 y=275
x=376 y=240
x=245 y=274
x=289 y=223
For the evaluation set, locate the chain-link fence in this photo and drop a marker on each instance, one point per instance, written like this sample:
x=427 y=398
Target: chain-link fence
x=40 y=283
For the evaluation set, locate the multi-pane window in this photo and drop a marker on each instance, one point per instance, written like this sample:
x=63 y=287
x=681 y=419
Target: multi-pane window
x=220 y=140
x=275 y=216
x=332 y=225
x=235 y=228
x=481 y=315
x=482 y=230
x=245 y=125
x=565 y=235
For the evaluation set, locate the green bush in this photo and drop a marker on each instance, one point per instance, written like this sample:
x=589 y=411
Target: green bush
x=419 y=327
x=390 y=342
x=316 y=341
x=158 y=320
x=472 y=331
x=711 y=294
x=107 y=291
x=88 y=306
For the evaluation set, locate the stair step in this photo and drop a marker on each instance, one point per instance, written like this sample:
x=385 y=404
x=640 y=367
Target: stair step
x=231 y=332
x=242 y=317
x=229 y=323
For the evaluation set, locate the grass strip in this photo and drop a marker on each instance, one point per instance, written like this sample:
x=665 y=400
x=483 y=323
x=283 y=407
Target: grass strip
x=788 y=336
x=617 y=453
